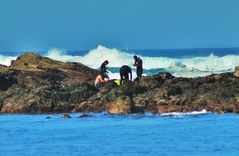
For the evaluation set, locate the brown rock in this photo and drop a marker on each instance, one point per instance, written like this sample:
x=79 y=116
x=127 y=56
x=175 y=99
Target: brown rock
x=237 y=98
x=122 y=105
x=84 y=116
x=66 y=116
x=3 y=69
x=236 y=73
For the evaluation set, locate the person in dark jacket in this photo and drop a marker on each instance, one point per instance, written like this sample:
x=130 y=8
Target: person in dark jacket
x=103 y=69
x=124 y=73
x=139 y=66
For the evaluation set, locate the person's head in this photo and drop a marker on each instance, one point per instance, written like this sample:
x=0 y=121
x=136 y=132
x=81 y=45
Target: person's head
x=106 y=62
x=135 y=57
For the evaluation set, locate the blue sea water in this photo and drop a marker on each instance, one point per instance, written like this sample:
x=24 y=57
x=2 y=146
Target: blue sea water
x=134 y=135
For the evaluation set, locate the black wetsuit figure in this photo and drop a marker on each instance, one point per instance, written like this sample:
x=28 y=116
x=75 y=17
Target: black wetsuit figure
x=139 y=67
x=124 y=73
x=103 y=69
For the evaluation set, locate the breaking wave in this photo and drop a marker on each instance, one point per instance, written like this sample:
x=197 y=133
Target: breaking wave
x=183 y=67
x=6 y=60
x=186 y=113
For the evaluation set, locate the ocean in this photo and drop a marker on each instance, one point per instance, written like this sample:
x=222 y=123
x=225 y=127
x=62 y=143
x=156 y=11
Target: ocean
x=186 y=134
x=190 y=134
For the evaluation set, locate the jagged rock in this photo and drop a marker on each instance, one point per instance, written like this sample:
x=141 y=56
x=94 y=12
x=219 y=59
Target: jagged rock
x=36 y=84
x=66 y=116
x=84 y=116
x=3 y=69
x=236 y=73
x=6 y=82
x=237 y=98
x=122 y=105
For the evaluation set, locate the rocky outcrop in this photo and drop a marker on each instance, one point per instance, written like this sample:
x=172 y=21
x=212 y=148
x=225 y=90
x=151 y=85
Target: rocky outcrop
x=66 y=116
x=122 y=105
x=236 y=73
x=36 y=84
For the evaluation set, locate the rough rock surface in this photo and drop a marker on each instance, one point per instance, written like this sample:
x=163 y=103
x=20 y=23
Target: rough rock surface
x=236 y=73
x=122 y=105
x=36 y=84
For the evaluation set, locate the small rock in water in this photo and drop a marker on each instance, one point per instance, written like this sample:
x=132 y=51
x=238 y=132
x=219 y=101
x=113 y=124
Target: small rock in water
x=66 y=116
x=84 y=116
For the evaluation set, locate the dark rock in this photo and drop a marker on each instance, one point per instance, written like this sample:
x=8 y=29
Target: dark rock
x=6 y=82
x=84 y=116
x=66 y=116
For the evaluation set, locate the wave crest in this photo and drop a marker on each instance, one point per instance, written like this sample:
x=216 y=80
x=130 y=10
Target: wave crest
x=117 y=58
x=184 y=67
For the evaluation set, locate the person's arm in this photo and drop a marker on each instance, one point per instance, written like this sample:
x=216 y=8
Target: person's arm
x=101 y=80
x=135 y=63
x=105 y=69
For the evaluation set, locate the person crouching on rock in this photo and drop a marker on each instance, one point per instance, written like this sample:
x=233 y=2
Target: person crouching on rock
x=124 y=73
x=103 y=69
x=99 y=80
x=139 y=66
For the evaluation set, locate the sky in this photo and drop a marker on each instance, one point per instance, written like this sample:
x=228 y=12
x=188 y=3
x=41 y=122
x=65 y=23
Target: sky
x=27 y=25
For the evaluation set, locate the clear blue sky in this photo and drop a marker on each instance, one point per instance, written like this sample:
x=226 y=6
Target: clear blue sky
x=133 y=24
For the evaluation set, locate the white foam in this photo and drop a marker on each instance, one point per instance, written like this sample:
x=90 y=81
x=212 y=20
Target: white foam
x=118 y=58
x=184 y=114
x=181 y=67
x=6 y=60
x=95 y=57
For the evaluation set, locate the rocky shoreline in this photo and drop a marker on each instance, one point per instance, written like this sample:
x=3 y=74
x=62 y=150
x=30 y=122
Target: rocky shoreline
x=35 y=84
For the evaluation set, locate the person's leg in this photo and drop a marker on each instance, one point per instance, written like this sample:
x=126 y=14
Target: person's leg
x=121 y=77
x=106 y=76
x=126 y=76
x=139 y=72
x=98 y=84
